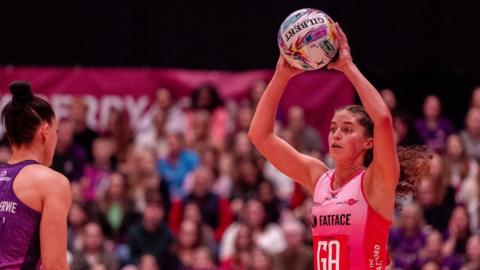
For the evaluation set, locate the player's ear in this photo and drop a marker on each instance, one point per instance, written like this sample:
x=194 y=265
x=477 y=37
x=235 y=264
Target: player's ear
x=45 y=130
x=368 y=144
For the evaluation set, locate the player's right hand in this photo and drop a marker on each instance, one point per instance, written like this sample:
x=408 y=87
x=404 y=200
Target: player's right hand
x=285 y=69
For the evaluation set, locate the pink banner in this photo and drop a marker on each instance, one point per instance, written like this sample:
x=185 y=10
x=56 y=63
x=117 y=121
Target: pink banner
x=319 y=92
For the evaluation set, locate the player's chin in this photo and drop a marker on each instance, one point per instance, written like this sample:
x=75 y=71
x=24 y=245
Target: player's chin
x=337 y=154
x=335 y=150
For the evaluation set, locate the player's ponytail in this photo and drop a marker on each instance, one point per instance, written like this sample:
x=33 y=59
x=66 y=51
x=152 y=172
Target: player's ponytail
x=414 y=165
x=22 y=94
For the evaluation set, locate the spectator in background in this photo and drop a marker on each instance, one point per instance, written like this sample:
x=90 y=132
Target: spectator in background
x=206 y=97
x=430 y=196
x=432 y=251
x=77 y=192
x=177 y=164
x=268 y=236
x=84 y=135
x=154 y=138
x=121 y=133
x=439 y=175
x=93 y=251
x=431 y=266
x=471 y=134
x=435 y=195
x=274 y=207
x=405 y=133
x=242 y=148
x=191 y=211
x=203 y=259
x=144 y=179
x=473 y=254
x=300 y=203
x=256 y=91
x=406 y=239
x=261 y=260
x=305 y=138
x=284 y=185
x=148 y=262
x=458 y=166
x=432 y=128
x=224 y=184
x=152 y=236
x=215 y=210
x=69 y=158
x=240 y=257
x=244 y=117
x=475 y=98
x=463 y=173
x=390 y=99
x=209 y=158
x=457 y=234
x=297 y=255
x=171 y=110
x=198 y=135
x=98 y=266
x=117 y=207
x=189 y=239
x=221 y=166
x=247 y=178
x=94 y=180
x=77 y=219
x=469 y=195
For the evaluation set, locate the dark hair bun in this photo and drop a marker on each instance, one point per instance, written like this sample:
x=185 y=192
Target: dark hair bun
x=21 y=91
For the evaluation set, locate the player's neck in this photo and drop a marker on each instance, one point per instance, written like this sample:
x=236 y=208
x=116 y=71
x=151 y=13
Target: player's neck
x=24 y=153
x=345 y=173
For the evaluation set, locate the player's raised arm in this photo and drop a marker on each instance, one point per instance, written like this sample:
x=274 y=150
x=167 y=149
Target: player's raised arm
x=302 y=168
x=385 y=164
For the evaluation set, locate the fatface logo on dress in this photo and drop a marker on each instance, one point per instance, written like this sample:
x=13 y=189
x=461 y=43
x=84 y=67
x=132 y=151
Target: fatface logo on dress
x=331 y=220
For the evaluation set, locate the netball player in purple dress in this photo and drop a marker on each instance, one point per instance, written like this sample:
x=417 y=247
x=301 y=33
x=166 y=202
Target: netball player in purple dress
x=34 y=199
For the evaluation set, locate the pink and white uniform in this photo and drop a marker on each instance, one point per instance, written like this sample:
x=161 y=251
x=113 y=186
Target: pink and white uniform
x=347 y=232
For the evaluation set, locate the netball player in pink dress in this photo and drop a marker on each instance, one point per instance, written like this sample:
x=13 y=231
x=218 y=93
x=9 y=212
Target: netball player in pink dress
x=353 y=204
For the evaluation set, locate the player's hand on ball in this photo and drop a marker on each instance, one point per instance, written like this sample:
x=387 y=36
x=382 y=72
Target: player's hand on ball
x=285 y=69
x=344 y=57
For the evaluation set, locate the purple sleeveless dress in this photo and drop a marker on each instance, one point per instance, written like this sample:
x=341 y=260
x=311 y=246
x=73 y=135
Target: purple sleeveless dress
x=19 y=224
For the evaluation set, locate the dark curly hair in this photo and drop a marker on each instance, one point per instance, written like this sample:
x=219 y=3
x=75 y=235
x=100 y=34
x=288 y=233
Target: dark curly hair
x=414 y=160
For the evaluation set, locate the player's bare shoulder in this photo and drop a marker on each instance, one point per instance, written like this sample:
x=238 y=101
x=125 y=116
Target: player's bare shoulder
x=45 y=179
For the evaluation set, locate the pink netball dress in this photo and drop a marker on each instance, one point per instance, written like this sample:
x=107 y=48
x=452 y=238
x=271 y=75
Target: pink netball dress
x=347 y=232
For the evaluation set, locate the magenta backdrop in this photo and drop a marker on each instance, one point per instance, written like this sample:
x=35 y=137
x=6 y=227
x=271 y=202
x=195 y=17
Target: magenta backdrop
x=319 y=92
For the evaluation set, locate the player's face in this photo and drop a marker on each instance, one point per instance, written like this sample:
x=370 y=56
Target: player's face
x=50 y=143
x=346 y=139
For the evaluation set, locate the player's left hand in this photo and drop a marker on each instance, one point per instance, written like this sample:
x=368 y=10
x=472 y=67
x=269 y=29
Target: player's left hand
x=344 y=57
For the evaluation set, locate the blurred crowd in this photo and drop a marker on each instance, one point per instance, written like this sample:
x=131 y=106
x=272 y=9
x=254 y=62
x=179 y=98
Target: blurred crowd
x=185 y=189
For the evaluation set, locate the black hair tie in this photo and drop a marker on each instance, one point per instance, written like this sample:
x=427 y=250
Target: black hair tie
x=22 y=93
